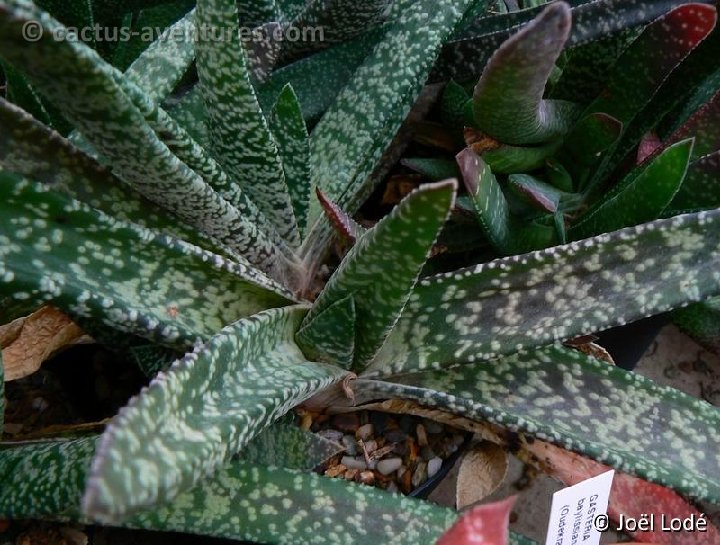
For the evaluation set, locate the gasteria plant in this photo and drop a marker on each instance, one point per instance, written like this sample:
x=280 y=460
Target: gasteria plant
x=187 y=222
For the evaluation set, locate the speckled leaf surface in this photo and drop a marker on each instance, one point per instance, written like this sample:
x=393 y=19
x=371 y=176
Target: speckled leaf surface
x=241 y=501
x=204 y=409
x=497 y=308
x=507 y=234
x=241 y=138
x=352 y=135
x=381 y=269
x=291 y=134
x=341 y=20
x=43 y=479
x=110 y=121
x=31 y=149
x=55 y=249
x=161 y=66
x=319 y=78
x=586 y=405
x=508 y=100
x=330 y=336
x=647 y=62
x=285 y=445
x=464 y=57
x=641 y=196
x=253 y=13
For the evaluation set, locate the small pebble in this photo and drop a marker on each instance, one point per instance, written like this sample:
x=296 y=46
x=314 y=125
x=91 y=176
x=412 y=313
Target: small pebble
x=364 y=432
x=350 y=474
x=372 y=464
x=421 y=474
x=421 y=435
x=389 y=465
x=433 y=467
x=354 y=462
x=350 y=445
x=392 y=487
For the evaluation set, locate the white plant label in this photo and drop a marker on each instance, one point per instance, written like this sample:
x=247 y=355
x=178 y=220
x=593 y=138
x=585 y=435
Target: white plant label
x=579 y=513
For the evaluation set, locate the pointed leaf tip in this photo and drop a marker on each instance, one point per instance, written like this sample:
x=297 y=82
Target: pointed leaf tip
x=508 y=100
x=470 y=164
x=482 y=525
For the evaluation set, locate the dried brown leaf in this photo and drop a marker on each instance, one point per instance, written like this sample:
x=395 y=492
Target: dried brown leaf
x=482 y=471
x=40 y=336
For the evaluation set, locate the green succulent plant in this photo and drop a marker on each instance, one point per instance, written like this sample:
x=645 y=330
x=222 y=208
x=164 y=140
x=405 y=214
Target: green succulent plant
x=179 y=216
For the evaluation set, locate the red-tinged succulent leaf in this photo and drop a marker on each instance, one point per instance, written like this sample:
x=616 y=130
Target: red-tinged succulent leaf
x=630 y=496
x=704 y=126
x=648 y=60
x=648 y=146
x=508 y=100
x=341 y=221
x=481 y=525
x=641 y=71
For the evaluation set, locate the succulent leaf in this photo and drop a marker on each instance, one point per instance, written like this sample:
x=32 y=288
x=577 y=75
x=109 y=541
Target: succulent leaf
x=434 y=168
x=700 y=188
x=352 y=135
x=242 y=139
x=584 y=146
x=702 y=322
x=330 y=335
x=119 y=131
x=453 y=103
x=519 y=159
x=341 y=20
x=344 y=225
x=507 y=234
x=95 y=267
x=318 y=79
x=481 y=525
x=204 y=409
x=704 y=127
x=242 y=501
x=398 y=246
x=291 y=134
x=508 y=101
x=284 y=445
x=646 y=63
x=161 y=66
x=253 y=13
x=556 y=394
x=465 y=55
x=483 y=312
x=641 y=196
x=31 y=149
